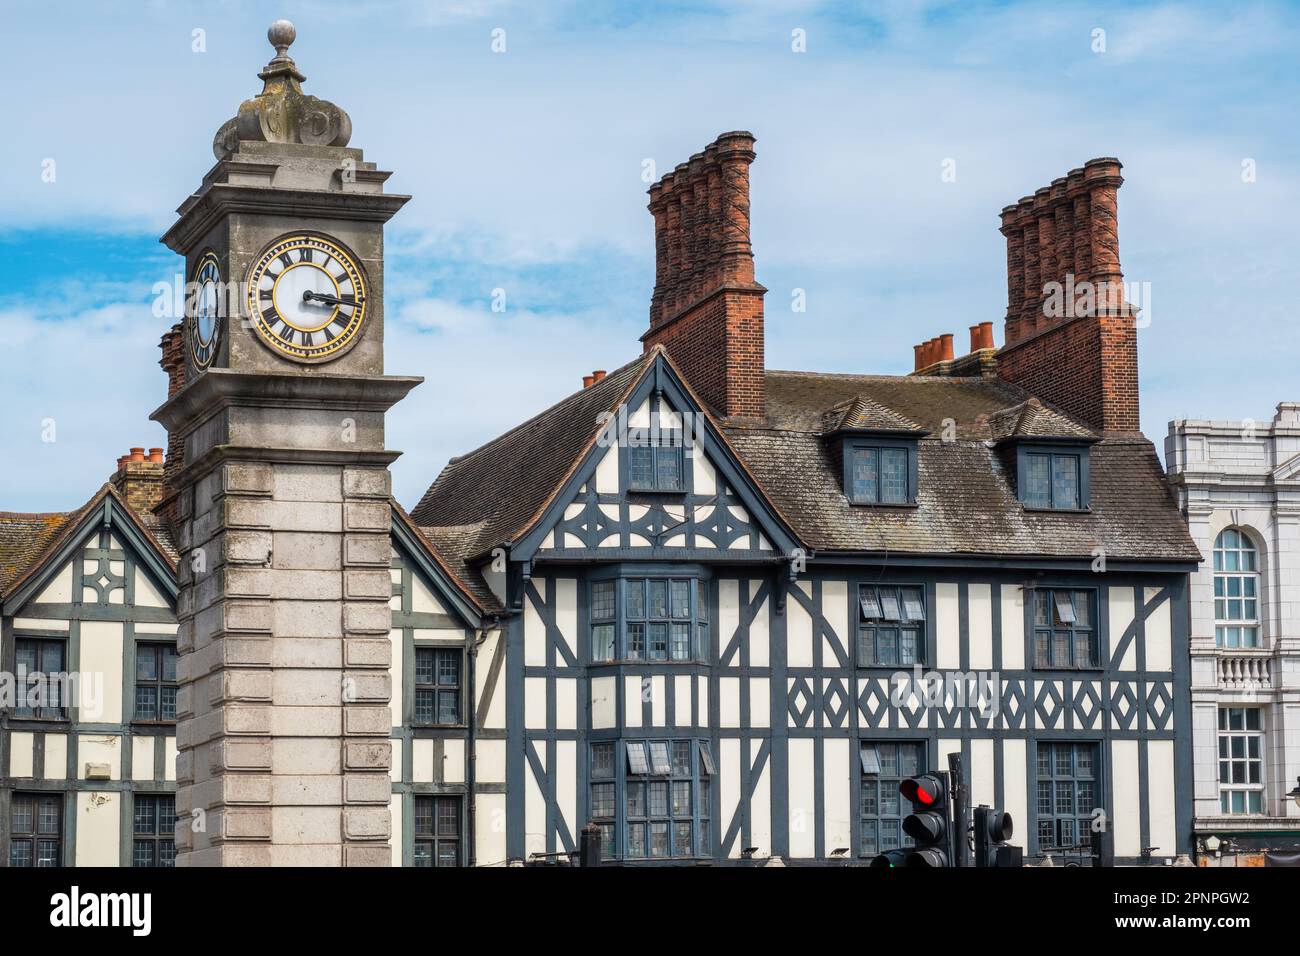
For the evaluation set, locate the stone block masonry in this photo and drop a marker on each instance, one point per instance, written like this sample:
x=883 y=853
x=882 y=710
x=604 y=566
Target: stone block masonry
x=283 y=708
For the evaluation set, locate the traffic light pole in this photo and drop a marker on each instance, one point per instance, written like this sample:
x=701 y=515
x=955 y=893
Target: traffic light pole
x=957 y=788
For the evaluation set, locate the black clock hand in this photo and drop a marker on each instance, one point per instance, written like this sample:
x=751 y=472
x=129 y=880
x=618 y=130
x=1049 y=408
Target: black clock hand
x=321 y=297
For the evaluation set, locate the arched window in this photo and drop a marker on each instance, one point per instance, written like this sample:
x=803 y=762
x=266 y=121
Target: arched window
x=1236 y=590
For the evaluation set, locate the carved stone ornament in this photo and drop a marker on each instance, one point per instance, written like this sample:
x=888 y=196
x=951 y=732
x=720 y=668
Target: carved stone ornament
x=282 y=112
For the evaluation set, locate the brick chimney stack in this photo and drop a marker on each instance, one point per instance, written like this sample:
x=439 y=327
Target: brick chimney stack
x=139 y=479
x=707 y=310
x=173 y=363
x=1070 y=336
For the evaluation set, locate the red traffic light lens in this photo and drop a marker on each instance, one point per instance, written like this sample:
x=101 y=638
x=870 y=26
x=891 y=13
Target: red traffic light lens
x=923 y=795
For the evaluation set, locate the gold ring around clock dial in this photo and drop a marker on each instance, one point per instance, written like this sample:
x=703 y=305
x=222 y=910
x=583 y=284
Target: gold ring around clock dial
x=204 y=318
x=307 y=298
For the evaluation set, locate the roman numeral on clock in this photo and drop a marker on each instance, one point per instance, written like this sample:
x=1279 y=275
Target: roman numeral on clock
x=286 y=259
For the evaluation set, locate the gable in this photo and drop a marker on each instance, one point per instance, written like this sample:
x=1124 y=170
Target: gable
x=714 y=508
x=103 y=558
x=422 y=584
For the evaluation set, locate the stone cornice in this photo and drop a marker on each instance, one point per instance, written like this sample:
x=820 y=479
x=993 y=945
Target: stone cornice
x=207 y=207
x=220 y=388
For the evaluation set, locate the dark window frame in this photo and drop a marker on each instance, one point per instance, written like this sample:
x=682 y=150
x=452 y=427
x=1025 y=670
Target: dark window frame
x=1053 y=451
x=41 y=642
x=158 y=683
x=442 y=808
x=878 y=792
x=1078 y=833
x=647 y=784
x=875 y=618
x=157 y=841
x=34 y=839
x=851 y=447
x=436 y=688
x=635 y=632
x=659 y=446
x=1073 y=629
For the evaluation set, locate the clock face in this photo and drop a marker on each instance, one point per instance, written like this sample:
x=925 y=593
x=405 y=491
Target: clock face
x=204 y=320
x=307 y=298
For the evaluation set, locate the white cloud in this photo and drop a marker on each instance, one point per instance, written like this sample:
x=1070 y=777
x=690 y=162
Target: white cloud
x=526 y=174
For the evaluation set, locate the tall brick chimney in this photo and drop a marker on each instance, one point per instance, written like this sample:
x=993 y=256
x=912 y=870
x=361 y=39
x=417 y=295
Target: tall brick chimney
x=139 y=479
x=173 y=363
x=1073 y=344
x=707 y=310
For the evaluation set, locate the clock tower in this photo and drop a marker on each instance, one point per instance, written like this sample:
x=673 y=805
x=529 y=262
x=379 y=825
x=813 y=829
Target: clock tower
x=283 y=499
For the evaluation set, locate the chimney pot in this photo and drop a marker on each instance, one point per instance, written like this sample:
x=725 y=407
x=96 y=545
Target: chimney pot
x=587 y=380
x=945 y=344
x=137 y=454
x=597 y=375
x=918 y=357
x=156 y=455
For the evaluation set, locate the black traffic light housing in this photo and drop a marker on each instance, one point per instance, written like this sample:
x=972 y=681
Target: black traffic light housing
x=928 y=823
x=993 y=828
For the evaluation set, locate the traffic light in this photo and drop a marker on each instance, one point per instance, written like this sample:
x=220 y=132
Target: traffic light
x=927 y=824
x=992 y=831
x=890 y=858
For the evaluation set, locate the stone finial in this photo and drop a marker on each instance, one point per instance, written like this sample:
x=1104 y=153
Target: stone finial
x=282 y=113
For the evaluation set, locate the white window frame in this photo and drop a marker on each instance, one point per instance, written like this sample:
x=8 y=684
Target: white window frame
x=1246 y=735
x=1249 y=627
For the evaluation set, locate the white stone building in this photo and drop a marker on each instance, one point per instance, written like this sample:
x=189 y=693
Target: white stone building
x=1238 y=483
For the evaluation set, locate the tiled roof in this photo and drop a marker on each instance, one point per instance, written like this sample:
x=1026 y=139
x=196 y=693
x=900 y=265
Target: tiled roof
x=452 y=562
x=27 y=540
x=1032 y=419
x=862 y=414
x=24 y=538
x=966 y=502
x=494 y=493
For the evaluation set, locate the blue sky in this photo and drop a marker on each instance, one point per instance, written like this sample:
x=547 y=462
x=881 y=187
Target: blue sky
x=525 y=167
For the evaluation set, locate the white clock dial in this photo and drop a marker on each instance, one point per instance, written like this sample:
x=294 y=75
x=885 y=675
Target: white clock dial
x=307 y=298
x=203 y=324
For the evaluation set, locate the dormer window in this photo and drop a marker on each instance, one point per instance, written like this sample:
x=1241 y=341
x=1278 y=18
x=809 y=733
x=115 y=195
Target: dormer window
x=879 y=451
x=880 y=471
x=1053 y=478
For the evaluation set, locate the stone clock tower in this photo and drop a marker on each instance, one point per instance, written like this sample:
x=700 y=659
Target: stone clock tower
x=283 y=498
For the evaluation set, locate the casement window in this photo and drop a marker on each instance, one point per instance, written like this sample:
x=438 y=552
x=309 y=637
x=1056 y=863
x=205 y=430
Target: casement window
x=665 y=798
x=656 y=460
x=1241 y=760
x=662 y=619
x=604 y=796
x=437 y=685
x=1053 y=479
x=41 y=697
x=1236 y=590
x=891 y=625
x=154 y=830
x=882 y=474
x=1068 y=791
x=1065 y=631
x=36 y=829
x=437 y=831
x=155 y=682
x=884 y=767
